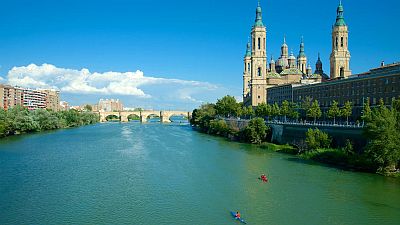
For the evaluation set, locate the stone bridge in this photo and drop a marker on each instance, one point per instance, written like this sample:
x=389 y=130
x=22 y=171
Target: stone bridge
x=144 y=115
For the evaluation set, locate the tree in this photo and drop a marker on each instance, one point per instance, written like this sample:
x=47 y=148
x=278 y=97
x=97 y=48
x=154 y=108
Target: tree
x=382 y=130
x=366 y=112
x=346 y=111
x=333 y=111
x=306 y=105
x=250 y=111
x=285 y=109
x=316 y=139
x=293 y=111
x=314 y=111
x=201 y=117
x=88 y=108
x=275 y=110
x=263 y=110
x=218 y=127
x=227 y=106
x=256 y=131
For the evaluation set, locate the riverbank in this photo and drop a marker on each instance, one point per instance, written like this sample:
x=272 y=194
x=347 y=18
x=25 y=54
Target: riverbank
x=19 y=120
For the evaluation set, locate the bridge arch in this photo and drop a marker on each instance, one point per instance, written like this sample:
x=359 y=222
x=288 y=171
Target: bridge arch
x=105 y=115
x=166 y=115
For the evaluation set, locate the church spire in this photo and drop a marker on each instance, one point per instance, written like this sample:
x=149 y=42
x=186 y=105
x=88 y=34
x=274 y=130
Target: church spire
x=258 y=22
x=302 y=52
x=339 y=16
x=248 y=50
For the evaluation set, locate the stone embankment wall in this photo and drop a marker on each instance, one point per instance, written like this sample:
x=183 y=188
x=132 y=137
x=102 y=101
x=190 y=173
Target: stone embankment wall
x=293 y=134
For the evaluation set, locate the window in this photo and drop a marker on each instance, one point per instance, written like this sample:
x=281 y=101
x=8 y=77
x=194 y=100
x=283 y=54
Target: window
x=259 y=97
x=259 y=43
x=341 y=42
x=341 y=72
x=248 y=66
x=259 y=72
x=336 y=43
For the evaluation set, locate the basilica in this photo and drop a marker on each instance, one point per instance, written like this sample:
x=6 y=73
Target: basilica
x=258 y=75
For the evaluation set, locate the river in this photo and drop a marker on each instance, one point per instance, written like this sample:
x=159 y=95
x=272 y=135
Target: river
x=132 y=173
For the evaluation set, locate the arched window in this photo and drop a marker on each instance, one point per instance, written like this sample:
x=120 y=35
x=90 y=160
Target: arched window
x=259 y=43
x=254 y=44
x=259 y=72
x=248 y=66
x=341 y=72
x=264 y=44
x=336 y=46
x=341 y=42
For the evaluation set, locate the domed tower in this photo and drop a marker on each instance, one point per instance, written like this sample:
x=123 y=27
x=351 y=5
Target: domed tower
x=302 y=58
x=340 y=56
x=319 y=70
x=258 y=60
x=318 y=66
x=282 y=62
x=272 y=65
x=309 y=70
x=284 y=49
x=292 y=61
x=247 y=71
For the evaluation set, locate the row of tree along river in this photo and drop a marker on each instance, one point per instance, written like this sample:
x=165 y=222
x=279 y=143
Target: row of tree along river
x=381 y=131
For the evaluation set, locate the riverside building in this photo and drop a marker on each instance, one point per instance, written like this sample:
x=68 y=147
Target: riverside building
x=31 y=99
x=289 y=69
x=379 y=83
x=110 y=105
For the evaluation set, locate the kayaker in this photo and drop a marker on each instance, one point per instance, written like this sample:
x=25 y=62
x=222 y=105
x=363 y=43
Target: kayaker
x=237 y=216
x=264 y=178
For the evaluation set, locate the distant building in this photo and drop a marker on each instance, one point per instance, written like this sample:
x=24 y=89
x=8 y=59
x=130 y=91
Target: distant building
x=110 y=105
x=64 y=105
x=31 y=99
x=10 y=96
x=52 y=99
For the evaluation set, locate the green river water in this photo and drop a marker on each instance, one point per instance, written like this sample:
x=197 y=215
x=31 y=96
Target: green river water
x=129 y=173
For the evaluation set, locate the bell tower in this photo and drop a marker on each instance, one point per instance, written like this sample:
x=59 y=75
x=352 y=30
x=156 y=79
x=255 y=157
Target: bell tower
x=340 y=56
x=247 y=72
x=258 y=60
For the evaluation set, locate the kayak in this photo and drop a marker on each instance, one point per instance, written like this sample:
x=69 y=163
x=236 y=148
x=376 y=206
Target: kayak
x=234 y=216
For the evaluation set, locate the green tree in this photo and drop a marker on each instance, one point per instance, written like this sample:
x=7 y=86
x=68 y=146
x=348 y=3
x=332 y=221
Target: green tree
x=285 y=109
x=255 y=132
x=314 y=111
x=275 y=110
x=306 y=105
x=250 y=111
x=88 y=108
x=218 y=127
x=334 y=111
x=227 y=106
x=382 y=131
x=366 y=112
x=316 y=139
x=263 y=110
x=293 y=111
x=346 y=111
x=201 y=117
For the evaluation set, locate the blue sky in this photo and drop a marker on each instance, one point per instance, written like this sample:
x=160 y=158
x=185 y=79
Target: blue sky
x=189 y=51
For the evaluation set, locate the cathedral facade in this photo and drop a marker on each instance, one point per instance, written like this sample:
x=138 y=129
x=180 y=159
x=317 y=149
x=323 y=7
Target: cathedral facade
x=289 y=69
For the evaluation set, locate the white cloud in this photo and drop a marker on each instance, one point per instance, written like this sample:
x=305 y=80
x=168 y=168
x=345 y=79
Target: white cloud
x=146 y=90
x=84 y=82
